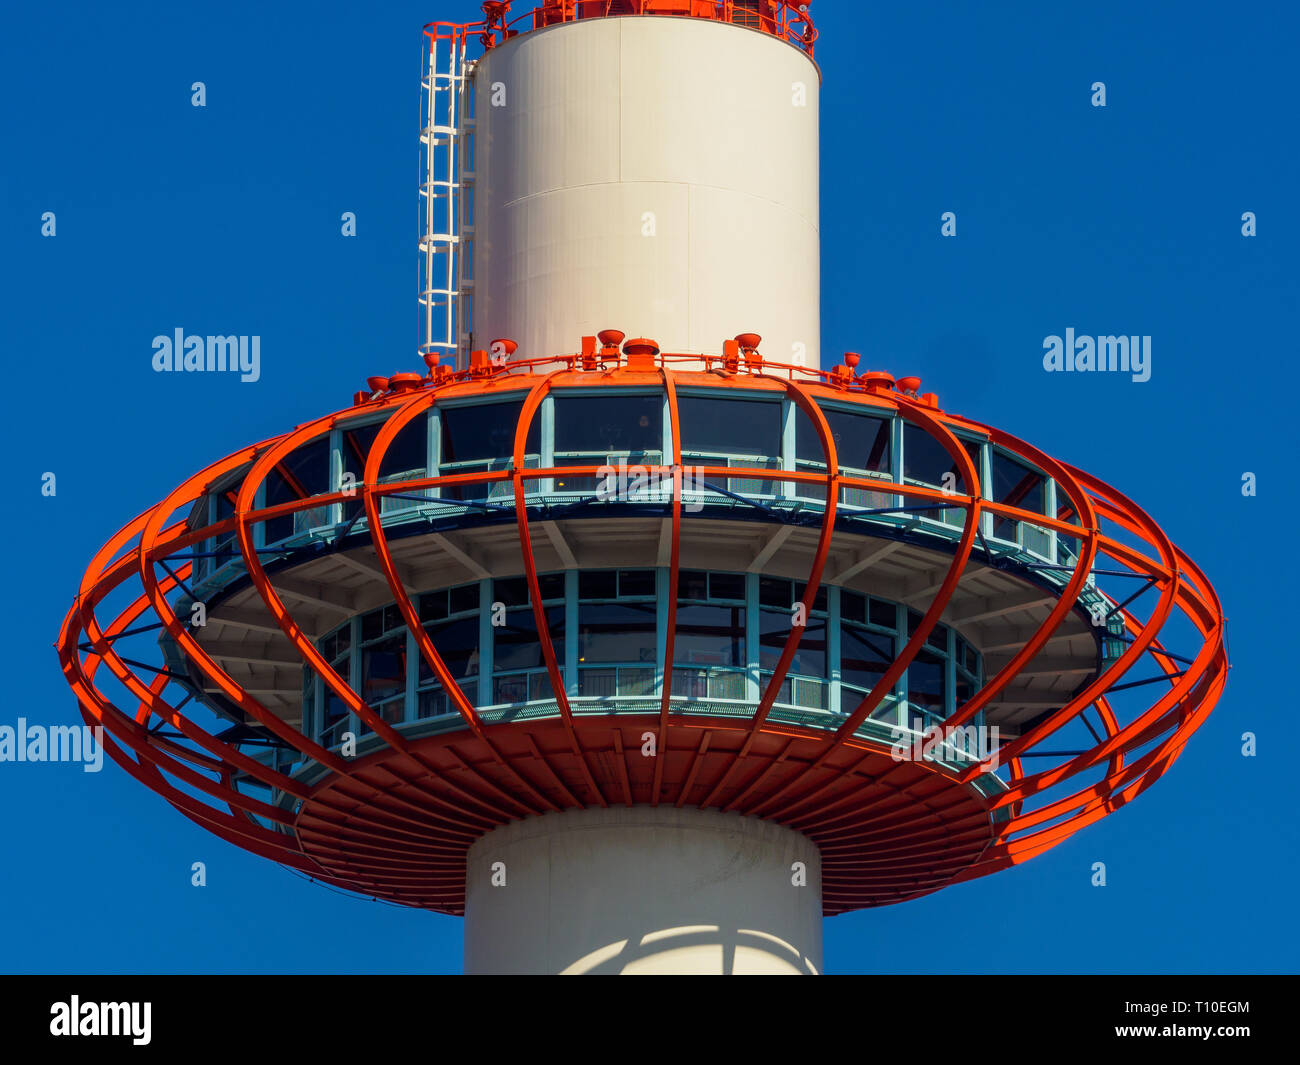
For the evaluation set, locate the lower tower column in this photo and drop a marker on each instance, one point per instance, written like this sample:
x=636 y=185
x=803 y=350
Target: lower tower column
x=643 y=890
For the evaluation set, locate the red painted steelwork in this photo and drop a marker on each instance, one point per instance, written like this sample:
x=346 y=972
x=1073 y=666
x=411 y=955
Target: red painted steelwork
x=397 y=823
x=783 y=19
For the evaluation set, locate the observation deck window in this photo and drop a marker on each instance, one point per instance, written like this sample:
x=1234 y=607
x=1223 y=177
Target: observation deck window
x=355 y=442
x=407 y=458
x=336 y=647
x=927 y=685
x=868 y=610
x=805 y=681
x=927 y=462
x=709 y=650
x=451 y=618
x=864 y=658
x=619 y=430
x=723 y=653
x=862 y=442
x=302 y=474
x=519 y=666
x=1018 y=485
x=739 y=433
x=863 y=448
x=383 y=663
x=480 y=438
x=225 y=548
x=618 y=633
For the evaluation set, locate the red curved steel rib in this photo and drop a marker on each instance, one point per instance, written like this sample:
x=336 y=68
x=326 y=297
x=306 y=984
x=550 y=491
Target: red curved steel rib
x=246 y=518
x=972 y=503
x=674 y=574
x=887 y=830
x=421 y=404
x=806 y=404
x=531 y=405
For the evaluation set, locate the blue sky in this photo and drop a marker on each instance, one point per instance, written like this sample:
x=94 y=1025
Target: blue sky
x=225 y=219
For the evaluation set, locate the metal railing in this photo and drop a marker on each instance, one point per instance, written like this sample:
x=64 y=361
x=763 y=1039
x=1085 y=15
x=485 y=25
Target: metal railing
x=780 y=18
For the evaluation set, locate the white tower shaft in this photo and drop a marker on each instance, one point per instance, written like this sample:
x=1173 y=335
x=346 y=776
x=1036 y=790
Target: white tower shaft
x=643 y=890
x=655 y=175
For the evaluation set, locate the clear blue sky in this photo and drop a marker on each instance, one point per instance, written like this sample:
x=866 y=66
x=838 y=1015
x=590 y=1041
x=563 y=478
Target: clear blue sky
x=226 y=220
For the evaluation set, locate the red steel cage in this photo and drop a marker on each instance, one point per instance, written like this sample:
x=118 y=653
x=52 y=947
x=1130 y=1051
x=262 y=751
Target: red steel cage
x=396 y=823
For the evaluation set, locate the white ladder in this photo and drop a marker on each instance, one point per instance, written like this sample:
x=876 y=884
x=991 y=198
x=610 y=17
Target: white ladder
x=445 y=235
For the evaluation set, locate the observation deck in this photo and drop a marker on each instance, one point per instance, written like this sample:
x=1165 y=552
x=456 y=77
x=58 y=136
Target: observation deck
x=474 y=593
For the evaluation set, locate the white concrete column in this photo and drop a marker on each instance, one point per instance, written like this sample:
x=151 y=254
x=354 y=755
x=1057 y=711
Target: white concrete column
x=643 y=890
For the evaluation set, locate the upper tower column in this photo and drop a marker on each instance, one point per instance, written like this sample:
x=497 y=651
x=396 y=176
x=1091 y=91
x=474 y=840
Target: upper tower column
x=655 y=172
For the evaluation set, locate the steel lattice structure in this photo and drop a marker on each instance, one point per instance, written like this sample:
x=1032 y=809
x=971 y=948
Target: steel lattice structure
x=396 y=823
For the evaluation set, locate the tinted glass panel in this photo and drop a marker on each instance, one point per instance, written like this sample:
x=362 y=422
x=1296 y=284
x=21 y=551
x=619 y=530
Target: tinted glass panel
x=726 y=586
x=517 y=645
x=457 y=644
x=731 y=427
x=616 y=633
x=609 y=423
x=228 y=543
x=883 y=614
x=1018 y=485
x=602 y=584
x=861 y=441
x=774 y=591
x=864 y=657
x=409 y=452
x=692 y=584
x=926 y=460
x=433 y=606
x=925 y=682
x=486 y=431
x=335 y=709
x=710 y=636
x=819 y=601
x=307 y=469
x=633 y=583
x=513 y=591
x=356 y=445
x=853 y=607
x=810 y=658
x=383 y=669
x=463 y=599
x=302 y=474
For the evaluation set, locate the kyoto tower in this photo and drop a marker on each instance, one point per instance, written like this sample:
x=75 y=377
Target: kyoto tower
x=616 y=624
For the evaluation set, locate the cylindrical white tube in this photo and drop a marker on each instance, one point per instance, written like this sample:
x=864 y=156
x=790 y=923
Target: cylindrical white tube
x=649 y=174
x=643 y=890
